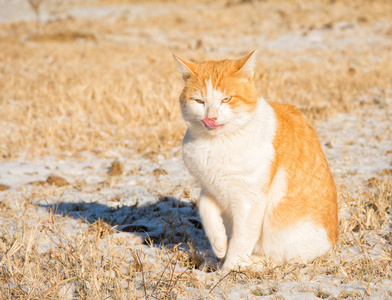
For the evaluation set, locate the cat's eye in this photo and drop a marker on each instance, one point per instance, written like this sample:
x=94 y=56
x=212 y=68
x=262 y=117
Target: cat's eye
x=227 y=99
x=198 y=100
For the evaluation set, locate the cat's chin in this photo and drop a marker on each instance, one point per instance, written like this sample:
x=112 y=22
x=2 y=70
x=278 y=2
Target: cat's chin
x=214 y=130
x=217 y=128
x=202 y=130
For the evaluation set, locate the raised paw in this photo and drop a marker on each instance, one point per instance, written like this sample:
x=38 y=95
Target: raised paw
x=219 y=246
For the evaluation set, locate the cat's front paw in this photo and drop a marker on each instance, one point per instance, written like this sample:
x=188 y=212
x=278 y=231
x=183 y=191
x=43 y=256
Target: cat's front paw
x=231 y=264
x=252 y=262
x=219 y=246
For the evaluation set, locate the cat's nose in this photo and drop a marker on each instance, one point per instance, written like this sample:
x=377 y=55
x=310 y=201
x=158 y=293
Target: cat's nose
x=212 y=113
x=213 y=119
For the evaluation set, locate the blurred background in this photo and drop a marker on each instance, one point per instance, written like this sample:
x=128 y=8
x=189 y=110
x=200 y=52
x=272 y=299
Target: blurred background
x=97 y=76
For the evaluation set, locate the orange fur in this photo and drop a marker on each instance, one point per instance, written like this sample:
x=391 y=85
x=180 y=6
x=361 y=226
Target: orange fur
x=311 y=190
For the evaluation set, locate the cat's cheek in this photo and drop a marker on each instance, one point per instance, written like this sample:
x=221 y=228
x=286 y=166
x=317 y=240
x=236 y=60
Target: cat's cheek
x=197 y=109
x=225 y=115
x=233 y=121
x=191 y=113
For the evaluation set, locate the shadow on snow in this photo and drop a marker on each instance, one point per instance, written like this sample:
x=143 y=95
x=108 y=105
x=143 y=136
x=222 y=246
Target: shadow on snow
x=167 y=222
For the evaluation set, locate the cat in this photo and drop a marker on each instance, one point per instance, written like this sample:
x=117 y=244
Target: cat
x=266 y=188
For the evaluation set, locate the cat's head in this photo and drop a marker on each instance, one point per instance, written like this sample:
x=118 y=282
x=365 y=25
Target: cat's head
x=219 y=96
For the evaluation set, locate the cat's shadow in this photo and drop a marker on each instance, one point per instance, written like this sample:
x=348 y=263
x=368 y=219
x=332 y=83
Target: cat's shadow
x=165 y=223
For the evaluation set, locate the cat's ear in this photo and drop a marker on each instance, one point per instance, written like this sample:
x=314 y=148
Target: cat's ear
x=247 y=64
x=186 y=68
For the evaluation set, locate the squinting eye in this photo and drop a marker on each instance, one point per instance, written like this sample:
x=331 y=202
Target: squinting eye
x=225 y=100
x=198 y=100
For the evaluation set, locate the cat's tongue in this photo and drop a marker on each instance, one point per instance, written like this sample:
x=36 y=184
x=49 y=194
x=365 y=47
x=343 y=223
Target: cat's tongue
x=210 y=123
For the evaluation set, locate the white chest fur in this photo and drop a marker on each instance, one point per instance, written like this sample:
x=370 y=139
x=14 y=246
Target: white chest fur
x=233 y=166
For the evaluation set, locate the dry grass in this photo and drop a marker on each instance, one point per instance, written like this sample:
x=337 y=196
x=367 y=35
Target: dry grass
x=95 y=264
x=89 y=265
x=79 y=85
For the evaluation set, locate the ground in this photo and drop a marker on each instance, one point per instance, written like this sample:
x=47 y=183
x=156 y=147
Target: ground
x=95 y=201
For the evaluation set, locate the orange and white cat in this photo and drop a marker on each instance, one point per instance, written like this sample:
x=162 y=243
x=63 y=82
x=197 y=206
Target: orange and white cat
x=266 y=188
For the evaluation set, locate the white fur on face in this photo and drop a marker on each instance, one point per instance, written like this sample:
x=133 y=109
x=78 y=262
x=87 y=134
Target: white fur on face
x=193 y=112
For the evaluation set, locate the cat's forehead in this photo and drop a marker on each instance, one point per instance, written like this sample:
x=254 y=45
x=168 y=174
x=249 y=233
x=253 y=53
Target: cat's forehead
x=215 y=69
x=208 y=91
x=214 y=75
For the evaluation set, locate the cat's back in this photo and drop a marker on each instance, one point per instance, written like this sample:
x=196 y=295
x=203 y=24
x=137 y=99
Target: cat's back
x=310 y=185
x=296 y=143
x=290 y=120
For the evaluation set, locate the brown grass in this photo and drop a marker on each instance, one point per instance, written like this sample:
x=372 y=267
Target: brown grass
x=79 y=85
x=94 y=262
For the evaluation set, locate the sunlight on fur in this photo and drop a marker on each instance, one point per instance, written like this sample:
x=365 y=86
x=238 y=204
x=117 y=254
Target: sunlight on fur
x=266 y=185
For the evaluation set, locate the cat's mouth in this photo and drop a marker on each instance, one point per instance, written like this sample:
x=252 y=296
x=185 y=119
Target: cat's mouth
x=210 y=124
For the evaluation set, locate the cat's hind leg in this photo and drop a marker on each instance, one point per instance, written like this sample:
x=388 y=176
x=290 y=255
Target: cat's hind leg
x=211 y=217
x=301 y=241
x=291 y=232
